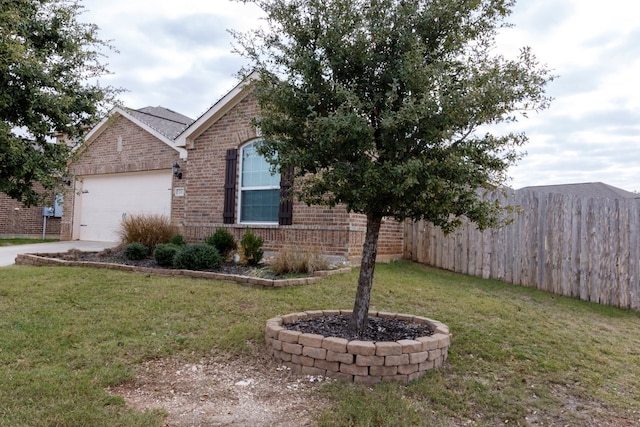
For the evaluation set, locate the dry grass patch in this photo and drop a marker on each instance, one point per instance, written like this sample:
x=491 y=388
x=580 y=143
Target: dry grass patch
x=291 y=261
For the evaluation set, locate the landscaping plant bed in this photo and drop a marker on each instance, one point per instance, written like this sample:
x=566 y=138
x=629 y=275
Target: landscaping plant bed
x=395 y=347
x=378 y=328
x=113 y=259
x=116 y=256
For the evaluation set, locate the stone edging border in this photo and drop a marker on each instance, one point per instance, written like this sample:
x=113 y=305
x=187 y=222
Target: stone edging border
x=46 y=260
x=362 y=362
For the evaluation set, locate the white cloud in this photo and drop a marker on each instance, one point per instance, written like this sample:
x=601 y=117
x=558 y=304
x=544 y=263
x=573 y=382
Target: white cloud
x=179 y=55
x=164 y=46
x=592 y=129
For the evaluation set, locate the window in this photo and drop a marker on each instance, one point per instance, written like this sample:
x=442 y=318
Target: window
x=259 y=188
x=262 y=197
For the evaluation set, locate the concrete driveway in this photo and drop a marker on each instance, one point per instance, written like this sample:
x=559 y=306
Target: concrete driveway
x=8 y=254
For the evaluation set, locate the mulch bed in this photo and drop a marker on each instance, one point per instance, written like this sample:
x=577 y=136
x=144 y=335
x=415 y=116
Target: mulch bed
x=116 y=256
x=378 y=329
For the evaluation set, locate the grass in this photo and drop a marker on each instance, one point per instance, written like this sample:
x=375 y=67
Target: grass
x=23 y=241
x=518 y=356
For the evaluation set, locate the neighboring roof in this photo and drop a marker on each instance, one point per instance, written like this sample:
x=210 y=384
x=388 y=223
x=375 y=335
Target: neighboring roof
x=217 y=110
x=167 y=122
x=596 y=190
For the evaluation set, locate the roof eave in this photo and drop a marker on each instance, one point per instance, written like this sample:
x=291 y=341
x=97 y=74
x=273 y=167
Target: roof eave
x=218 y=110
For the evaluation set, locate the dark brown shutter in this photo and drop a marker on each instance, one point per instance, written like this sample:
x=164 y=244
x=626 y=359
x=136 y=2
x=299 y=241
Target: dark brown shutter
x=285 y=215
x=229 y=211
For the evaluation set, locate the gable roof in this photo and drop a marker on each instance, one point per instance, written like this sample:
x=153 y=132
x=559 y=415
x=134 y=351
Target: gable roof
x=216 y=111
x=166 y=121
x=157 y=121
x=595 y=190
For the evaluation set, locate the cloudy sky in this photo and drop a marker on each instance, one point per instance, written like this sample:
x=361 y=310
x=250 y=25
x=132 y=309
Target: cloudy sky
x=179 y=55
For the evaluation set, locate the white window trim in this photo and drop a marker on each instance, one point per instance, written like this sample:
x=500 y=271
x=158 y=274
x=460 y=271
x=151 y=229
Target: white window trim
x=241 y=189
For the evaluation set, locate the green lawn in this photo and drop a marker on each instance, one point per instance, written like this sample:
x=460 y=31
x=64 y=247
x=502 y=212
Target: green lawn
x=518 y=356
x=21 y=241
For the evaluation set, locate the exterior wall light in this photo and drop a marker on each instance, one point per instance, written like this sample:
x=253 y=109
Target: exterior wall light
x=176 y=170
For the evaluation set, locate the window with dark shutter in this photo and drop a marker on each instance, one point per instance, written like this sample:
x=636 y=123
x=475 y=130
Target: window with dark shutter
x=285 y=214
x=259 y=193
x=230 y=186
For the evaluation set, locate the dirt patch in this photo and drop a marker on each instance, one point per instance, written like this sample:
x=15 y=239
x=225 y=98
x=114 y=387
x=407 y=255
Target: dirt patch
x=217 y=392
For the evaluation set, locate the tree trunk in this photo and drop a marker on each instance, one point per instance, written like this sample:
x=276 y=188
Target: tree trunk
x=365 y=281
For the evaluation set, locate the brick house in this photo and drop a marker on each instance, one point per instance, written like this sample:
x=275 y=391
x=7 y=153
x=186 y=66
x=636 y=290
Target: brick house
x=222 y=182
x=17 y=220
x=124 y=168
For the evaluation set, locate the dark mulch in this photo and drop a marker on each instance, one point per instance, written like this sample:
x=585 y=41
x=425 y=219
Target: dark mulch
x=378 y=329
x=116 y=256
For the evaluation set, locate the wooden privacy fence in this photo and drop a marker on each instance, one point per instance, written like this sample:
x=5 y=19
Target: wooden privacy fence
x=586 y=248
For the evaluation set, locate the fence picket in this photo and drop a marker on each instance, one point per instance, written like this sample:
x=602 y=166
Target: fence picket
x=578 y=247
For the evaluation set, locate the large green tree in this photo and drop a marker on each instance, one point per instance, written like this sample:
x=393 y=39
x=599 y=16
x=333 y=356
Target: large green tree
x=49 y=62
x=389 y=107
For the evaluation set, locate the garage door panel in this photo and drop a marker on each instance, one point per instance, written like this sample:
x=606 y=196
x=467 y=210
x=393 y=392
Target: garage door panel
x=107 y=199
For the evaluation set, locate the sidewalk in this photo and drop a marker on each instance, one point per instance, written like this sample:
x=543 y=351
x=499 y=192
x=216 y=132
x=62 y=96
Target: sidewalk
x=8 y=254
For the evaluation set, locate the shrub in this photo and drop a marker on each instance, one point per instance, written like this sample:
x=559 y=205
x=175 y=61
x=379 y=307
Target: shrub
x=135 y=251
x=177 y=240
x=165 y=253
x=289 y=261
x=223 y=241
x=197 y=256
x=251 y=248
x=150 y=230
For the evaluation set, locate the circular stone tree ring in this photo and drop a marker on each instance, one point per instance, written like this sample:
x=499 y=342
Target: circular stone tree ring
x=363 y=362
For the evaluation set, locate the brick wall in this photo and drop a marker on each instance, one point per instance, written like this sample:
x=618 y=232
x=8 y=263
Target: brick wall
x=66 y=223
x=16 y=220
x=138 y=151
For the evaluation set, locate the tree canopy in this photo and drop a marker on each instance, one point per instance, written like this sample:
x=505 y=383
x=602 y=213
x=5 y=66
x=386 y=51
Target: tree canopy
x=386 y=107
x=49 y=62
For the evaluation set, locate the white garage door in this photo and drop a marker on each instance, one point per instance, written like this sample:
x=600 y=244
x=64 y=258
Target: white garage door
x=105 y=200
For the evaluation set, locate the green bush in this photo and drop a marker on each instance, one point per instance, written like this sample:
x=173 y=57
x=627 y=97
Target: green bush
x=177 y=240
x=223 y=241
x=165 y=253
x=150 y=230
x=136 y=251
x=197 y=256
x=251 y=248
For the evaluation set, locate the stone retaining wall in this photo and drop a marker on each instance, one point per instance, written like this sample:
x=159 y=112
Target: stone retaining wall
x=363 y=362
x=45 y=259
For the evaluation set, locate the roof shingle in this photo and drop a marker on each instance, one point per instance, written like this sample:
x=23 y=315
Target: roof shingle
x=587 y=189
x=167 y=122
